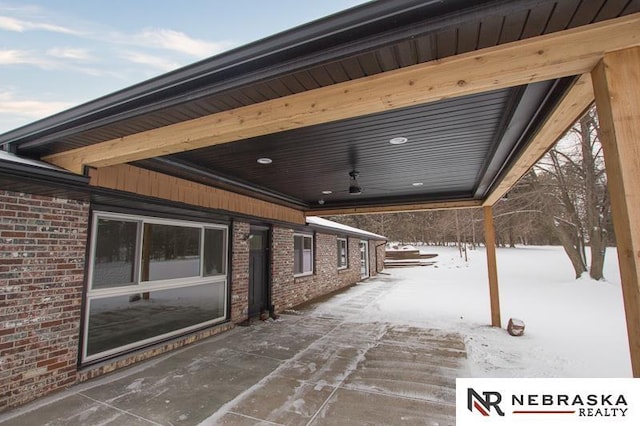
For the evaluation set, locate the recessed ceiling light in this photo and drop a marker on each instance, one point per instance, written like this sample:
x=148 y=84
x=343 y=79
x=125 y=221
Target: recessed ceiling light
x=417 y=184
x=327 y=192
x=398 y=141
x=265 y=160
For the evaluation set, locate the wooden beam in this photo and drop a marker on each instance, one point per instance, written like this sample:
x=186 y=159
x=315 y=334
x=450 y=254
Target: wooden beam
x=492 y=266
x=124 y=177
x=434 y=205
x=615 y=81
x=565 y=53
x=567 y=112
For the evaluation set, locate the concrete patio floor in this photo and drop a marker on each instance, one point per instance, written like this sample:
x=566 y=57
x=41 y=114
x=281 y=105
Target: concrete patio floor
x=306 y=368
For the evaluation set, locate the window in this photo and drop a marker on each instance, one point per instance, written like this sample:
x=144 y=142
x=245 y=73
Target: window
x=114 y=253
x=170 y=252
x=343 y=253
x=303 y=254
x=151 y=279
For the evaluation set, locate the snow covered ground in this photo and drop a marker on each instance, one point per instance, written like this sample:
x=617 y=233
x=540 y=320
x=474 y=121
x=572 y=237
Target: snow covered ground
x=574 y=328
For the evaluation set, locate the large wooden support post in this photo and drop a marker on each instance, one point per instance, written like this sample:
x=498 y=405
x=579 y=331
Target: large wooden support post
x=492 y=266
x=615 y=83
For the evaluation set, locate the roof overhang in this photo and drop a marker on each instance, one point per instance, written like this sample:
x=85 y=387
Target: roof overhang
x=330 y=95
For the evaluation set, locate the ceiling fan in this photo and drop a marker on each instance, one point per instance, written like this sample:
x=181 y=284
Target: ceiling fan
x=354 y=187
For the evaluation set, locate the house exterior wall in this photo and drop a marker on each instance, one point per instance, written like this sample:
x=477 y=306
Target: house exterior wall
x=239 y=271
x=43 y=250
x=42 y=255
x=289 y=291
x=379 y=248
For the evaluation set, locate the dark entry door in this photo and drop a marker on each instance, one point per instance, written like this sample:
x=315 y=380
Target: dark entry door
x=258 y=271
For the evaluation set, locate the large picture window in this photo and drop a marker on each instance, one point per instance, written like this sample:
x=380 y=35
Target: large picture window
x=150 y=279
x=303 y=254
x=343 y=253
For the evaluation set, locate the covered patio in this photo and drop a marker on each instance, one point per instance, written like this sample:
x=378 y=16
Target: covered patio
x=389 y=106
x=307 y=368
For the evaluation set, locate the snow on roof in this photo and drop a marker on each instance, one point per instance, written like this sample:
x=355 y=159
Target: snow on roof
x=326 y=223
x=12 y=158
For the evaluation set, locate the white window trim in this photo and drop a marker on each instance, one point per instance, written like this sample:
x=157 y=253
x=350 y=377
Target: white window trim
x=305 y=273
x=346 y=249
x=145 y=286
x=119 y=349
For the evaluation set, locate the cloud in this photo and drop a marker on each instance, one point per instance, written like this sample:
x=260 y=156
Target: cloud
x=18 y=25
x=157 y=62
x=76 y=54
x=179 y=42
x=17 y=57
x=30 y=108
x=58 y=60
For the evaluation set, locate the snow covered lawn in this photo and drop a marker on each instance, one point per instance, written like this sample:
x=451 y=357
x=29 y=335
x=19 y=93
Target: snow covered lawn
x=574 y=328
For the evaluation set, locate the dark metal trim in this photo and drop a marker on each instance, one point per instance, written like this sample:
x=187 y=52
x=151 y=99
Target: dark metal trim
x=46 y=175
x=198 y=174
x=545 y=108
x=267 y=51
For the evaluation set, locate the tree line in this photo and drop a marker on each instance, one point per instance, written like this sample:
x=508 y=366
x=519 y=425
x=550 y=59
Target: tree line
x=563 y=200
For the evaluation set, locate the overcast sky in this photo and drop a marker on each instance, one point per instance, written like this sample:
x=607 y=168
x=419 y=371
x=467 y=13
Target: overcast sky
x=56 y=54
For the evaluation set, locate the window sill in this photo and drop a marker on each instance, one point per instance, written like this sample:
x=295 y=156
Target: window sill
x=303 y=275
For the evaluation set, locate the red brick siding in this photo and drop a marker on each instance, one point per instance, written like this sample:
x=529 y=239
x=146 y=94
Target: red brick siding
x=381 y=253
x=240 y=272
x=282 y=285
x=42 y=253
x=289 y=291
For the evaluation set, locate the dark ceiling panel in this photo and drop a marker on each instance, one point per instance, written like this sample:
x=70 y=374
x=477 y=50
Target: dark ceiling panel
x=425 y=48
x=292 y=84
x=352 y=68
x=446 y=43
x=309 y=160
x=587 y=12
x=369 y=63
x=611 y=9
x=513 y=26
x=490 y=29
x=562 y=15
x=632 y=7
x=306 y=80
x=406 y=54
x=322 y=76
x=537 y=21
x=337 y=72
x=468 y=38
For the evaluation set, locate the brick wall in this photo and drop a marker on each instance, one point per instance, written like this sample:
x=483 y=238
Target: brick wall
x=42 y=254
x=288 y=291
x=282 y=285
x=240 y=272
x=381 y=253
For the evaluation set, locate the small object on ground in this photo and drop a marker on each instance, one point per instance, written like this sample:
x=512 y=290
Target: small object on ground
x=515 y=327
x=264 y=315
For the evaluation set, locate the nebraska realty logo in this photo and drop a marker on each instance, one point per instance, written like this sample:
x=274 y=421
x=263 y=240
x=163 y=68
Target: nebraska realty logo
x=551 y=401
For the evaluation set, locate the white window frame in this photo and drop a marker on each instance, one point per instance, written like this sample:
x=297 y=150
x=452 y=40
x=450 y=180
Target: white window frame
x=149 y=286
x=304 y=273
x=346 y=251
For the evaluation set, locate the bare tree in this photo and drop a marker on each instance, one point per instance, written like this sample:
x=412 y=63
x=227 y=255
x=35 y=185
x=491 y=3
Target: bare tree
x=577 y=208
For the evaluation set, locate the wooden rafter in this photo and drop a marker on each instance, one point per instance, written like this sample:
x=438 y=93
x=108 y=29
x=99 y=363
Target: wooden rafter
x=551 y=56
